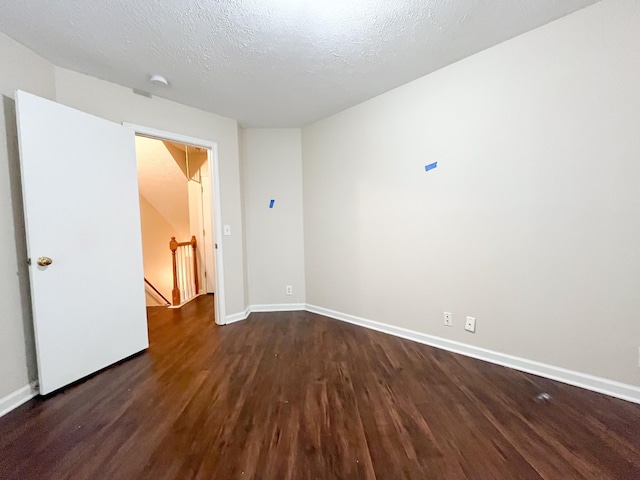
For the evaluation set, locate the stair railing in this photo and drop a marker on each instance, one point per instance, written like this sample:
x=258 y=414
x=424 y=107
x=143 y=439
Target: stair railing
x=185 y=270
x=156 y=292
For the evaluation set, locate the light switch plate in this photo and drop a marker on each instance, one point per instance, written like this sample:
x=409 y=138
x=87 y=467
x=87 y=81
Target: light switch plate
x=227 y=229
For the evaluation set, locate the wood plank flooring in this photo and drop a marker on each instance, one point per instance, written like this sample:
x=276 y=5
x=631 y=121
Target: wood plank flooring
x=295 y=396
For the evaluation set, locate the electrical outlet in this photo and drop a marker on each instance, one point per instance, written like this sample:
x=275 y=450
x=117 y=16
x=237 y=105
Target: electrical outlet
x=289 y=290
x=470 y=324
x=448 y=318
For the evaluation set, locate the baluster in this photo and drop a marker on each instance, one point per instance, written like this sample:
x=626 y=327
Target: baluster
x=187 y=274
x=183 y=275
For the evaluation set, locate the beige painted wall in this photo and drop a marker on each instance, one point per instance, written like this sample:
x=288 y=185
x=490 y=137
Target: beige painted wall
x=120 y=104
x=530 y=222
x=21 y=69
x=243 y=193
x=272 y=169
x=156 y=233
x=163 y=184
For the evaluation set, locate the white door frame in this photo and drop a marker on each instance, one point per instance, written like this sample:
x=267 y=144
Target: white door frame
x=212 y=156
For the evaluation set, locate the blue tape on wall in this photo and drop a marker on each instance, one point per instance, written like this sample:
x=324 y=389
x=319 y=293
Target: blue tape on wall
x=431 y=166
x=271 y=203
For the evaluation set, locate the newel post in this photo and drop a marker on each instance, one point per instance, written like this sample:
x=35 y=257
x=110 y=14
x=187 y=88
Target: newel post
x=175 y=293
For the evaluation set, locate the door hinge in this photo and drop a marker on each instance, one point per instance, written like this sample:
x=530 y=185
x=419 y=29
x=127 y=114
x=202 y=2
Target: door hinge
x=216 y=246
x=28 y=261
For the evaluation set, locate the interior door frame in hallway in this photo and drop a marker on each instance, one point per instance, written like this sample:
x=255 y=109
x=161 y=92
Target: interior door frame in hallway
x=216 y=211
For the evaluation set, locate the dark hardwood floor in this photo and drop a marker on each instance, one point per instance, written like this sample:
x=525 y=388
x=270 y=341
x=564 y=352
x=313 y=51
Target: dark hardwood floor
x=294 y=396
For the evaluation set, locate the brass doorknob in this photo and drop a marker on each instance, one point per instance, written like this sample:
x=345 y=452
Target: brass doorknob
x=44 y=261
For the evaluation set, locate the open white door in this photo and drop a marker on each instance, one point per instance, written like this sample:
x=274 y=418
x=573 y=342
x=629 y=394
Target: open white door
x=80 y=195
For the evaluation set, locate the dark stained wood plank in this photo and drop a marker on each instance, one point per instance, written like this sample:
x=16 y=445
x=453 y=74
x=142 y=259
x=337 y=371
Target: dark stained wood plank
x=296 y=396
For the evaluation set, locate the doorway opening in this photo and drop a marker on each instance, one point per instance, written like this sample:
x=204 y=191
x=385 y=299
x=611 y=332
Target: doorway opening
x=180 y=219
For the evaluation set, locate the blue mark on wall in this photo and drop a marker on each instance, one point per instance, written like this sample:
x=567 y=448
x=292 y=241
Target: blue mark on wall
x=271 y=203
x=431 y=166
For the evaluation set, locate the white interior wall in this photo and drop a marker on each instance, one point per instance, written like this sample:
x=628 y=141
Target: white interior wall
x=530 y=221
x=21 y=69
x=272 y=169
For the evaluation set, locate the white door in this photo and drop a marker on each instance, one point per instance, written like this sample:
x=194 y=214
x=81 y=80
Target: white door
x=209 y=236
x=81 y=209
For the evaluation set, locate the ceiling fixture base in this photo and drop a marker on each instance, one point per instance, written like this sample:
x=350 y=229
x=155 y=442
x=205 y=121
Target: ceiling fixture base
x=159 y=80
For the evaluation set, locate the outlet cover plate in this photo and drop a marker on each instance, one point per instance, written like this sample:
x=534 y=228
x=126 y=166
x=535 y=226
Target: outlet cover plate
x=448 y=318
x=470 y=324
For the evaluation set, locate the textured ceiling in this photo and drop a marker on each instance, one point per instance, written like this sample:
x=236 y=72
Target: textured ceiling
x=269 y=63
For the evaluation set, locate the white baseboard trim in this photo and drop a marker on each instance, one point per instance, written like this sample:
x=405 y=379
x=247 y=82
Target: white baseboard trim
x=238 y=317
x=278 y=307
x=270 y=307
x=17 y=398
x=612 y=388
x=186 y=301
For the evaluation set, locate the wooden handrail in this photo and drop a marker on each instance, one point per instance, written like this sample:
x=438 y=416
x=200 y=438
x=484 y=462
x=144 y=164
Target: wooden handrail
x=157 y=291
x=182 y=244
x=173 y=246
